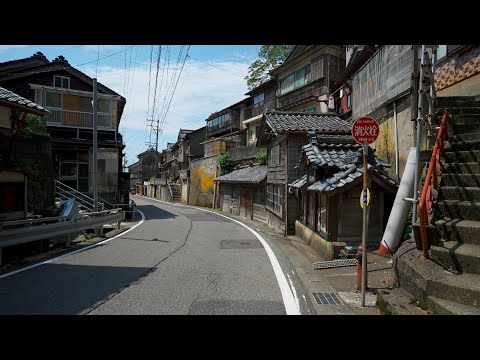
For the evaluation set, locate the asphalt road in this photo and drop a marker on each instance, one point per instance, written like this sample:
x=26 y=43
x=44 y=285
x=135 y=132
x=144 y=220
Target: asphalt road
x=179 y=260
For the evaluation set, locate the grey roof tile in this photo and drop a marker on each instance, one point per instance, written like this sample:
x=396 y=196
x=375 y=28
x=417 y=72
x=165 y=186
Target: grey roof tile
x=13 y=98
x=253 y=174
x=299 y=182
x=289 y=121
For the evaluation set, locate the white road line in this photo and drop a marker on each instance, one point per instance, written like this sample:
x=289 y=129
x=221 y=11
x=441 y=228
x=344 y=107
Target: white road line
x=287 y=295
x=73 y=252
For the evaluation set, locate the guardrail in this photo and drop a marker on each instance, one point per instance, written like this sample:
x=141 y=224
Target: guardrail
x=24 y=235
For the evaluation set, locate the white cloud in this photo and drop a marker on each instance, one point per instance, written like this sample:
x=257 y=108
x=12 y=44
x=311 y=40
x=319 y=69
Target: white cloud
x=8 y=47
x=201 y=90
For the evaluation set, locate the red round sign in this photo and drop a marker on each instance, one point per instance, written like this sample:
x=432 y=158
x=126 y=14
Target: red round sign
x=365 y=129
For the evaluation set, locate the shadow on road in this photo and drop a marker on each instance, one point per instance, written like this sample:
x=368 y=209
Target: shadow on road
x=152 y=212
x=62 y=289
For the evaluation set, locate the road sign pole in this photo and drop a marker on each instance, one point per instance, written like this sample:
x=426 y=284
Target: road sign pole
x=365 y=228
x=365 y=131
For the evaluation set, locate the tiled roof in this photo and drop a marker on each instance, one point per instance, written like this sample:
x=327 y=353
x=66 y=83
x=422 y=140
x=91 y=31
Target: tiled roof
x=281 y=121
x=253 y=174
x=15 y=99
x=347 y=158
x=349 y=174
x=299 y=182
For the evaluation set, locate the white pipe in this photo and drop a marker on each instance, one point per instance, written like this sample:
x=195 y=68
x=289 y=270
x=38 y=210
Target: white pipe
x=399 y=214
x=396 y=138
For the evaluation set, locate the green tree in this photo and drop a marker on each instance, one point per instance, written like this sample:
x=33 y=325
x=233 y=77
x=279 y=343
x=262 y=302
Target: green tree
x=262 y=158
x=226 y=163
x=269 y=57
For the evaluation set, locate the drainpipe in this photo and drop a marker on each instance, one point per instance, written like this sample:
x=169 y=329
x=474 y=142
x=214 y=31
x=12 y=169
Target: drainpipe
x=396 y=138
x=417 y=150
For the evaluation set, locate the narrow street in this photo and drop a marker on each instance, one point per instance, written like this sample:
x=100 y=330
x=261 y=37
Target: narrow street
x=179 y=260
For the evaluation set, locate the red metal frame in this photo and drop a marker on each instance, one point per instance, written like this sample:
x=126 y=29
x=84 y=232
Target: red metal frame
x=426 y=200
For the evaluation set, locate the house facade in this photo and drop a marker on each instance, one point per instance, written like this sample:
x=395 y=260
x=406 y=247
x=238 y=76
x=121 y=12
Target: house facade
x=26 y=174
x=284 y=134
x=67 y=93
x=328 y=195
x=306 y=77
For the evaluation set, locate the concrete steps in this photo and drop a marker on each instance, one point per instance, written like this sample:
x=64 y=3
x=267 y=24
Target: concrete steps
x=460 y=193
x=461 y=168
x=463 y=180
x=446 y=307
x=457 y=256
x=465 y=231
x=457 y=209
x=462 y=156
x=424 y=278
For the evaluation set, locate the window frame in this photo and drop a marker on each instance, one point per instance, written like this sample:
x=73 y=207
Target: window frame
x=62 y=78
x=274 y=199
x=274 y=155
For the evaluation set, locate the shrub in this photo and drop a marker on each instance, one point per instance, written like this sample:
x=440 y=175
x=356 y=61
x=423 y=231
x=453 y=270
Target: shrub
x=262 y=158
x=226 y=163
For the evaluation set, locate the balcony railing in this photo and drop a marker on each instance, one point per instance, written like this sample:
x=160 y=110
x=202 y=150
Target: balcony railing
x=257 y=109
x=78 y=119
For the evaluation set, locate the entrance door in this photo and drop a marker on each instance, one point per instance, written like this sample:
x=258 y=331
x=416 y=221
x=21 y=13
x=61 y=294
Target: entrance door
x=246 y=203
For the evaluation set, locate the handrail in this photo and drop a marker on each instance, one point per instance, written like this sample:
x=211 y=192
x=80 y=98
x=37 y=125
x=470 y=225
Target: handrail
x=432 y=176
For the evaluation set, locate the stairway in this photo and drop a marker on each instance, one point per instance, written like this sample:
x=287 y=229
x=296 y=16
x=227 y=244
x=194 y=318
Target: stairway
x=175 y=192
x=449 y=283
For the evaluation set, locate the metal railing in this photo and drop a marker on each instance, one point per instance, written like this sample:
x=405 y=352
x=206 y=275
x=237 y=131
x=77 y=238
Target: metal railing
x=66 y=192
x=61 y=227
x=59 y=117
x=427 y=200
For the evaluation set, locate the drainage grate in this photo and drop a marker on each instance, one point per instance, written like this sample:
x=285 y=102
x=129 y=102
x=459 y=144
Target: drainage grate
x=334 y=263
x=327 y=299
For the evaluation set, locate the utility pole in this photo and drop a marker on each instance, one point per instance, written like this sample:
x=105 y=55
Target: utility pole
x=154 y=128
x=95 y=164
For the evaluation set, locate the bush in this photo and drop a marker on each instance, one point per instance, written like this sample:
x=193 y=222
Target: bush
x=262 y=158
x=226 y=163
x=34 y=125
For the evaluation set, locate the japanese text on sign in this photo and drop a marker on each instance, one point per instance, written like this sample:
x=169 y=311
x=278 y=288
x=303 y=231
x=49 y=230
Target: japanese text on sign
x=365 y=129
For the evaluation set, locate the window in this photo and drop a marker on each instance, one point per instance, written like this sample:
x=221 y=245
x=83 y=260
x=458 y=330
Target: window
x=310 y=110
x=322 y=213
x=441 y=51
x=295 y=80
x=258 y=100
x=274 y=200
x=61 y=82
x=53 y=100
x=259 y=196
x=219 y=122
x=274 y=158
x=311 y=210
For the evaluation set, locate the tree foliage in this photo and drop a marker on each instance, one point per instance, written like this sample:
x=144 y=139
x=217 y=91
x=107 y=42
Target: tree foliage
x=269 y=57
x=262 y=158
x=34 y=125
x=226 y=163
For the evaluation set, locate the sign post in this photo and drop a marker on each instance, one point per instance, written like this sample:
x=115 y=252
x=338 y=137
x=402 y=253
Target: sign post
x=365 y=131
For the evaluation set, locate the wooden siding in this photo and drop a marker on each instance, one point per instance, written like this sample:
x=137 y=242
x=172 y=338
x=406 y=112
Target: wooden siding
x=276 y=174
x=260 y=213
x=295 y=143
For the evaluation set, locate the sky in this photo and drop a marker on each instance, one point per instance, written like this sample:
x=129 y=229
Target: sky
x=211 y=78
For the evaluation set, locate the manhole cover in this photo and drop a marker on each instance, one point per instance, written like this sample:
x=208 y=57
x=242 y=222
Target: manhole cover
x=327 y=299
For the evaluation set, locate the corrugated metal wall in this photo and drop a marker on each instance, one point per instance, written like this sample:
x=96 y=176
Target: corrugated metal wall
x=386 y=75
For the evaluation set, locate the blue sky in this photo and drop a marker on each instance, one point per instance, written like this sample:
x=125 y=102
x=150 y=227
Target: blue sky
x=212 y=79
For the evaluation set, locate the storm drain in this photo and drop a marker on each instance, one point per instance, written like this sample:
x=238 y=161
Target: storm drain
x=327 y=299
x=334 y=263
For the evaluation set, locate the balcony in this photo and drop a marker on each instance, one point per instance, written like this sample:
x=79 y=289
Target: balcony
x=78 y=119
x=257 y=109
